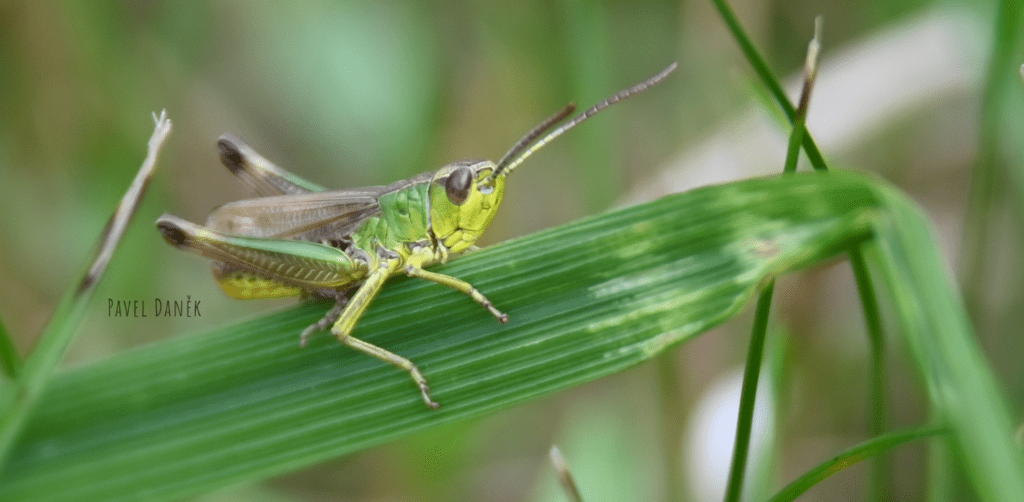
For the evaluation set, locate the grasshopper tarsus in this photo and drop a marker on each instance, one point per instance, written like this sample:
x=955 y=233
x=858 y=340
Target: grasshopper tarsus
x=499 y=315
x=425 y=390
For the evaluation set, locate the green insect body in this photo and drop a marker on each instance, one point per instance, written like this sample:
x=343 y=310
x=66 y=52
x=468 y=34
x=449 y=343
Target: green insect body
x=299 y=239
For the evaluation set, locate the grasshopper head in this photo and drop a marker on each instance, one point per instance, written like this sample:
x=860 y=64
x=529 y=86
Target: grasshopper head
x=465 y=195
x=463 y=201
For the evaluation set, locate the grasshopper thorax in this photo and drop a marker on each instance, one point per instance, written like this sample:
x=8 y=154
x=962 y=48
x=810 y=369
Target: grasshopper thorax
x=463 y=201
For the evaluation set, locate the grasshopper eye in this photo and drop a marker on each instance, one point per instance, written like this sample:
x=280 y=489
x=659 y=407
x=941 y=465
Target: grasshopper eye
x=458 y=184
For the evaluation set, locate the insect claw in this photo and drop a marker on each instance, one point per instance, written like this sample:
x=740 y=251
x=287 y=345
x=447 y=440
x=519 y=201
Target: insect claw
x=500 y=316
x=426 y=398
x=422 y=383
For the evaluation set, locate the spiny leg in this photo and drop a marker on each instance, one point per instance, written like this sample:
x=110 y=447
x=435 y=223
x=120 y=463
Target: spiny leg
x=354 y=310
x=460 y=285
x=340 y=300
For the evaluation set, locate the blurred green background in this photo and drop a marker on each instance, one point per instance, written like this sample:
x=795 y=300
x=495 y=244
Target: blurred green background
x=350 y=94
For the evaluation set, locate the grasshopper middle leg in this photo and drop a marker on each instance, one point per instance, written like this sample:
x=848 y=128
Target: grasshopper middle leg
x=340 y=300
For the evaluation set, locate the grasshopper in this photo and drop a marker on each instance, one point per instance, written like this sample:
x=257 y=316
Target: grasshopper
x=298 y=239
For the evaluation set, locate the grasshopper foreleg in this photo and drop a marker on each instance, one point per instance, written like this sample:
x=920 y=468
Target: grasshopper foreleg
x=460 y=285
x=354 y=310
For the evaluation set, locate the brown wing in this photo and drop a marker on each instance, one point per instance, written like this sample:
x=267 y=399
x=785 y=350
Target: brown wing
x=259 y=174
x=327 y=215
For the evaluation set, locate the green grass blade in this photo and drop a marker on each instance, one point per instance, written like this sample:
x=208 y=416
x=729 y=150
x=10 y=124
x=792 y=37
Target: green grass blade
x=935 y=325
x=585 y=300
x=193 y=413
x=17 y=403
x=876 y=340
x=748 y=395
x=992 y=169
x=10 y=363
x=767 y=77
x=849 y=457
x=572 y=492
x=857 y=261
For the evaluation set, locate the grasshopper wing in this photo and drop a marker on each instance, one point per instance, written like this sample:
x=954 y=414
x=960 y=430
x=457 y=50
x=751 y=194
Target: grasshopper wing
x=261 y=175
x=316 y=216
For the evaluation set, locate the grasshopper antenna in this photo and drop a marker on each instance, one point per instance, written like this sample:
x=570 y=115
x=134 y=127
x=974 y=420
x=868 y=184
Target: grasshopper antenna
x=519 y=152
x=534 y=134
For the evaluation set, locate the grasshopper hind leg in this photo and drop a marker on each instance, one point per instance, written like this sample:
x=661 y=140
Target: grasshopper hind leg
x=340 y=300
x=342 y=330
